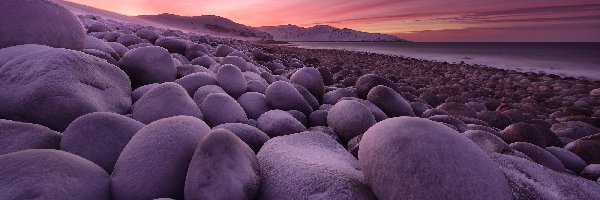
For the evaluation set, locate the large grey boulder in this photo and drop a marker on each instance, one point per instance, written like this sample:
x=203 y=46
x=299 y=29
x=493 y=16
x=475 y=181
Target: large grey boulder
x=278 y=123
x=52 y=87
x=218 y=108
x=223 y=167
x=251 y=135
x=282 y=95
x=162 y=101
x=146 y=65
x=51 y=174
x=154 y=163
x=39 y=22
x=350 y=118
x=309 y=165
x=421 y=159
x=17 y=136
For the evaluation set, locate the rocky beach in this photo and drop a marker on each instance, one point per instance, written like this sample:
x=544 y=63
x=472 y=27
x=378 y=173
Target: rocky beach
x=95 y=108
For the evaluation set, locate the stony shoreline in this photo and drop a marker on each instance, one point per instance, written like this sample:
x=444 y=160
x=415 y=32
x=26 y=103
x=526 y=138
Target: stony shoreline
x=93 y=108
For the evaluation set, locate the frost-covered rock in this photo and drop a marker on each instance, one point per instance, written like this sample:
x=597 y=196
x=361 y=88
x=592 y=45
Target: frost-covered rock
x=51 y=174
x=99 y=137
x=218 y=108
x=16 y=136
x=39 y=22
x=146 y=65
x=154 y=163
x=223 y=167
x=309 y=165
x=418 y=158
x=162 y=101
x=53 y=87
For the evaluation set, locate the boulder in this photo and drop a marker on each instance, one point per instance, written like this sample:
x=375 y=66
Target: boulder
x=39 y=22
x=223 y=167
x=240 y=63
x=223 y=51
x=204 y=91
x=251 y=135
x=173 y=44
x=282 y=95
x=17 y=136
x=418 y=158
x=318 y=118
x=148 y=35
x=591 y=172
x=574 y=129
x=538 y=155
x=309 y=165
x=53 y=87
x=254 y=104
x=231 y=79
x=165 y=100
x=570 y=160
x=51 y=174
x=100 y=45
x=392 y=103
x=129 y=40
x=146 y=65
x=334 y=96
x=529 y=180
x=366 y=83
x=192 y=82
x=350 y=118
x=278 y=123
x=310 y=78
x=587 y=148
x=141 y=91
x=218 y=108
x=458 y=109
x=155 y=162
x=523 y=132
x=8 y=53
x=489 y=142
x=495 y=119
x=99 y=137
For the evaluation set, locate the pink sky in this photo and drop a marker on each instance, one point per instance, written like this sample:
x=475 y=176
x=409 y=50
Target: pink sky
x=417 y=20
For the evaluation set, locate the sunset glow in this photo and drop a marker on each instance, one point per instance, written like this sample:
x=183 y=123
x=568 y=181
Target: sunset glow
x=428 y=20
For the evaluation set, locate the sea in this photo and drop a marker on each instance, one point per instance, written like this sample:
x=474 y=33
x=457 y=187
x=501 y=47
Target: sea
x=578 y=60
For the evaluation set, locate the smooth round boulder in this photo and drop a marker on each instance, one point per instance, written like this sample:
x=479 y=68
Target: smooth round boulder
x=251 y=135
x=523 y=132
x=204 y=61
x=148 y=35
x=51 y=174
x=218 y=108
x=99 y=137
x=16 y=136
x=100 y=45
x=146 y=65
x=162 y=101
x=254 y=104
x=39 y=22
x=539 y=155
x=334 y=96
x=350 y=118
x=223 y=51
x=231 y=79
x=223 y=167
x=278 y=123
x=570 y=160
x=309 y=165
x=529 y=180
x=366 y=83
x=102 y=55
x=308 y=97
x=282 y=95
x=318 y=118
x=418 y=158
x=173 y=44
x=204 y=91
x=53 y=87
x=587 y=148
x=495 y=119
x=7 y=54
x=458 y=109
x=488 y=142
x=192 y=82
x=326 y=75
x=235 y=61
x=129 y=40
x=591 y=172
x=310 y=78
x=119 y=48
x=574 y=129
x=154 y=163
x=139 y=92
x=392 y=103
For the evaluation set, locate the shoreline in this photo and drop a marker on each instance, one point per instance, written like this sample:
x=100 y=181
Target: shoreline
x=466 y=60
x=543 y=94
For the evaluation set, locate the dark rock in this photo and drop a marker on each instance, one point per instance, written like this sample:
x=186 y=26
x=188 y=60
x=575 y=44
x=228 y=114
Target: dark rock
x=278 y=123
x=218 y=108
x=146 y=65
x=392 y=103
x=365 y=83
x=251 y=135
x=17 y=136
x=165 y=100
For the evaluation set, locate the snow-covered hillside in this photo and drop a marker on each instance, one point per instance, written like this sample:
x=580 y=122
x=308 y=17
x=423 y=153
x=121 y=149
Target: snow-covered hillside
x=323 y=33
x=208 y=24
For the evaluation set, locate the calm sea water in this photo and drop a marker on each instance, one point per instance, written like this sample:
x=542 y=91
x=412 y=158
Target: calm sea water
x=580 y=60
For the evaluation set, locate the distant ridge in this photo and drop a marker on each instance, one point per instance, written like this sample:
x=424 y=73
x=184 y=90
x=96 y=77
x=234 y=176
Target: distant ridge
x=322 y=33
x=208 y=24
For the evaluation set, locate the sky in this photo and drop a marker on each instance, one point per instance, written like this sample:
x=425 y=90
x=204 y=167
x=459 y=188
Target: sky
x=415 y=20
